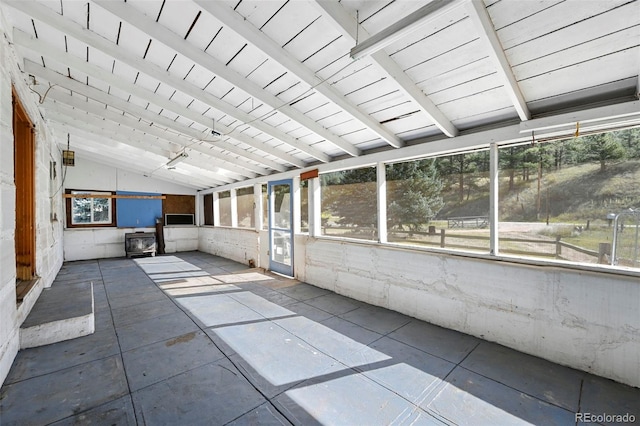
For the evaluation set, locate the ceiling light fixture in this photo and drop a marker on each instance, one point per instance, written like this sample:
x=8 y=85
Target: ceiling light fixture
x=178 y=158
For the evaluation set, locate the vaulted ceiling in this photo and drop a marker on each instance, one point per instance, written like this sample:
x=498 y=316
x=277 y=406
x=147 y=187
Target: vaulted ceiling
x=247 y=88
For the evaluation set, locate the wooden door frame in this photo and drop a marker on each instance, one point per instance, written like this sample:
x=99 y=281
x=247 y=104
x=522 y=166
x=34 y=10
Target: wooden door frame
x=24 y=177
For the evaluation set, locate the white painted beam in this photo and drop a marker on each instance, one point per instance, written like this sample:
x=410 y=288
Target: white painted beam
x=253 y=35
x=68 y=27
x=151 y=117
x=350 y=28
x=402 y=28
x=600 y=117
x=159 y=32
x=171 y=142
x=489 y=39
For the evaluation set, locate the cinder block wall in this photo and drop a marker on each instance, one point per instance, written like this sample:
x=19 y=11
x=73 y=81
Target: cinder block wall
x=48 y=209
x=587 y=320
x=583 y=319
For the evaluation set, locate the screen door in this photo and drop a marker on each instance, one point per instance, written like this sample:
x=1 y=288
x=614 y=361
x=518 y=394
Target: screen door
x=281 y=227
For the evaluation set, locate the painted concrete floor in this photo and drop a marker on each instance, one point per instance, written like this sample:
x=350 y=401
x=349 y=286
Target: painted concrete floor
x=194 y=339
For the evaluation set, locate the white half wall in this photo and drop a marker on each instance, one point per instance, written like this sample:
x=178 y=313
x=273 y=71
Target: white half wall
x=236 y=244
x=180 y=238
x=585 y=320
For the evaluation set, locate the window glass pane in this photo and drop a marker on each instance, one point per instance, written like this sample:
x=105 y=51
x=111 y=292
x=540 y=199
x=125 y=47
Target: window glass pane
x=101 y=210
x=304 y=206
x=246 y=213
x=88 y=211
x=281 y=206
x=560 y=199
x=441 y=202
x=225 y=208
x=80 y=210
x=349 y=203
x=208 y=209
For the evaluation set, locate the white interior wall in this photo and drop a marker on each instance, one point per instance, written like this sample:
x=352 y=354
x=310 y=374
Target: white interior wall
x=48 y=207
x=97 y=243
x=583 y=319
x=87 y=174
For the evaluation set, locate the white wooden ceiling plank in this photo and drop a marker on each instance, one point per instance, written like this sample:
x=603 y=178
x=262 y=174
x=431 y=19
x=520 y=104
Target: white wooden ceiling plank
x=436 y=44
x=149 y=8
x=591 y=73
x=132 y=39
x=150 y=27
x=607 y=24
x=463 y=55
x=104 y=24
x=199 y=76
x=245 y=62
x=177 y=16
x=464 y=74
x=273 y=50
x=489 y=39
x=312 y=41
x=504 y=114
x=392 y=12
x=153 y=29
x=555 y=18
x=289 y=20
x=74 y=10
x=507 y=13
x=338 y=48
x=475 y=103
x=385 y=101
x=131 y=88
x=410 y=121
x=334 y=66
x=601 y=47
x=258 y=12
x=482 y=83
x=433 y=38
x=393 y=111
x=129 y=106
x=422 y=132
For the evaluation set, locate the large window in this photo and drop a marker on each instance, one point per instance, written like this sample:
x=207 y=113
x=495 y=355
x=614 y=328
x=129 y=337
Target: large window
x=560 y=199
x=349 y=203
x=246 y=212
x=91 y=210
x=224 y=203
x=208 y=209
x=440 y=202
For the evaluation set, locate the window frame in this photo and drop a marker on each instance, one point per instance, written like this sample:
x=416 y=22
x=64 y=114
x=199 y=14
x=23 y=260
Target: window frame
x=69 y=209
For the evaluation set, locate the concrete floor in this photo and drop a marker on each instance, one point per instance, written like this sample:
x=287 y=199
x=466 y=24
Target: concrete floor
x=197 y=339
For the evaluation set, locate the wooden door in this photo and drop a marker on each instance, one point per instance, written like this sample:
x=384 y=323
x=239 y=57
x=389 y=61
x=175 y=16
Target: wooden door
x=24 y=174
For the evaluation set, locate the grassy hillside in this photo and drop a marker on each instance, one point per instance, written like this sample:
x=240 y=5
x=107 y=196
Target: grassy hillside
x=572 y=194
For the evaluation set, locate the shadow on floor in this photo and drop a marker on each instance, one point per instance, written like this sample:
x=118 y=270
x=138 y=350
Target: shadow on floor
x=198 y=339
